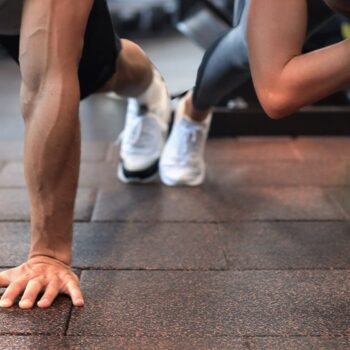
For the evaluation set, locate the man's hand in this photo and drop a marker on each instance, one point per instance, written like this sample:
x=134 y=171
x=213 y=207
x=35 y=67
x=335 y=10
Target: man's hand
x=39 y=274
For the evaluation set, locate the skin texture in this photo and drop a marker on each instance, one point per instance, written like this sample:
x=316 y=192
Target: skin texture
x=284 y=78
x=51 y=44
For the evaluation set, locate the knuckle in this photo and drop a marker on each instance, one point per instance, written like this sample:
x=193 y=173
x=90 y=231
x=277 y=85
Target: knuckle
x=53 y=281
x=19 y=283
x=51 y=294
x=37 y=282
x=65 y=285
x=69 y=277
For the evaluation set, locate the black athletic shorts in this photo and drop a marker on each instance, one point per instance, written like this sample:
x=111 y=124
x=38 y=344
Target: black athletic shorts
x=101 y=49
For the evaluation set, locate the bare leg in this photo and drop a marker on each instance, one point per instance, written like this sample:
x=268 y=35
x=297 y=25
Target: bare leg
x=147 y=116
x=194 y=113
x=134 y=72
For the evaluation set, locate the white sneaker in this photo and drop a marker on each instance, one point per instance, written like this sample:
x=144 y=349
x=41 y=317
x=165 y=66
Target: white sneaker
x=182 y=161
x=145 y=133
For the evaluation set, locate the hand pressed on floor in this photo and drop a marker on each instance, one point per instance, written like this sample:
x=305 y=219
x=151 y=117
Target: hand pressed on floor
x=39 y=274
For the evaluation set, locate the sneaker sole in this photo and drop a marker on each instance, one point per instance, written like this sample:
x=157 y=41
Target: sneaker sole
x=148 y=175
x=182 y=183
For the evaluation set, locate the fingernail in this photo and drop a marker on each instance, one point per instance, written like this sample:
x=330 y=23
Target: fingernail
x=5 y=303
x=43 y=303
x=25 y=303
x=79 y=302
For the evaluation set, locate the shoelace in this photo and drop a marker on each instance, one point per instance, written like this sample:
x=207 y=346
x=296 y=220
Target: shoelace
x=190 y=142
x=135 y=131
x=139 y=132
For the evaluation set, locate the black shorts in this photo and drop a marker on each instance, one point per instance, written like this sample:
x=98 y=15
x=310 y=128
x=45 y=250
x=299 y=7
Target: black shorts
x=101 y=49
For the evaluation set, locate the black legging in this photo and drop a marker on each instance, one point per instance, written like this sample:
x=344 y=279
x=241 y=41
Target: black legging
x=225 y=65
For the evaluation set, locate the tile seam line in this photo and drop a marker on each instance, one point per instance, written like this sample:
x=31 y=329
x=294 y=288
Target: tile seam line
x=67 y=323
x=338 y=205
x=243 y=187
x=214 y=270
x=91 y=188
x=29 y=334
x=334 y=336
x=296 y=150
x=221 y=236
x=330 y=336
x=101 y=269
x=103 y=188
x=3 y=165
x=223 y=222
x=212 y=221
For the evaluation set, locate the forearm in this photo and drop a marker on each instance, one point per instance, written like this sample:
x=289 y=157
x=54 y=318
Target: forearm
x=52 y=156
x=52 y=38
x=284 y=77
x=51 y=43
x=307 y=78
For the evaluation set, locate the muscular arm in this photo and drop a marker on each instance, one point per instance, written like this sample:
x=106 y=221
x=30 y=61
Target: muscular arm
x=52 y=37
x=284 y=78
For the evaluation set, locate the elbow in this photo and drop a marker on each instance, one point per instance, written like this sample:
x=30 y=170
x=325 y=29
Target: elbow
x=278 y=105
x=275 y=112
x=57 y=90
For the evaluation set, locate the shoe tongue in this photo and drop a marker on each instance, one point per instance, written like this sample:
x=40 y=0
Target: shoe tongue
x=191 y=125
x=154 y=90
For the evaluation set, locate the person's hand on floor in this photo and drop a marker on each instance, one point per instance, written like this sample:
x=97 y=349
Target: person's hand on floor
x=37 y=275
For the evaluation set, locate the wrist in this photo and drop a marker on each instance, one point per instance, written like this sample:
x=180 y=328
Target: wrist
x=52 y=240
x=43 y=259
x=63 y=255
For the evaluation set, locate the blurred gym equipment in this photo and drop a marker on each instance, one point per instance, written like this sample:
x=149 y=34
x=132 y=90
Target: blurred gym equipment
x=142 y=16
x=203 y=21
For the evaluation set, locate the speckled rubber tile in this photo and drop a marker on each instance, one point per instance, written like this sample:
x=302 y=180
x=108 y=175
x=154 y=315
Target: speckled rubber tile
x=112 y=343
x=128 y=246
x=251 y=149
x=252 y=303
x=214 y=202
x=287 y=245
x=90 y=151
x=148 y=246
x=280 y=173
x=37 y=321
x=323 y=147
x=153 y=203
x=14 y=205
x=92 y=175
x=151 y=343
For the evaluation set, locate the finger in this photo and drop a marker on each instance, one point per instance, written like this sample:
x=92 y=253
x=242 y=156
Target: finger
x=49 y=296
x=34 y=287
x=11 y=293
x=74 y=291
x=4 y=280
